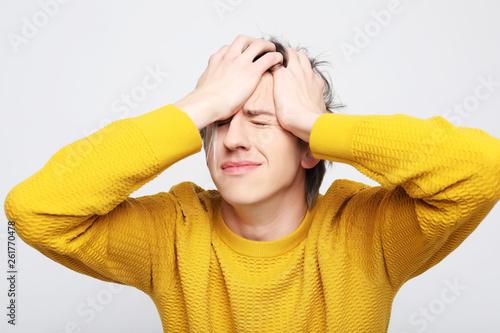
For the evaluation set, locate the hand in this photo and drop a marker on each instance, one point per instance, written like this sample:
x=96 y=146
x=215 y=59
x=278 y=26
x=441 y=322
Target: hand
x=229 y=79
x=298 y=95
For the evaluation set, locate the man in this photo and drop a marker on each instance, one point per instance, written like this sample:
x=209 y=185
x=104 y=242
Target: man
x=261 y=254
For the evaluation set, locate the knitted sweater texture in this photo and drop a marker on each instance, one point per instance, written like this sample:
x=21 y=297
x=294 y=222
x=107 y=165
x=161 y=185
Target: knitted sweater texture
x=337 y=272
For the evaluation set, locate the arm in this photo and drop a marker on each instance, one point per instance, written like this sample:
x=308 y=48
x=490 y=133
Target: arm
x=76 y=209
x=438 y=181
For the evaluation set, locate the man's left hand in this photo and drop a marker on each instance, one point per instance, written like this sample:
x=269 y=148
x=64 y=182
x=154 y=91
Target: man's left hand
x=298 y=95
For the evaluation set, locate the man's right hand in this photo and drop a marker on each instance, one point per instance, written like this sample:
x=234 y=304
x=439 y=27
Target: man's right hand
x=229 y=79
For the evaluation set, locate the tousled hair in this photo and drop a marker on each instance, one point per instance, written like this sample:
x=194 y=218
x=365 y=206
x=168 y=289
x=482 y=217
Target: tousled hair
x=315 y=175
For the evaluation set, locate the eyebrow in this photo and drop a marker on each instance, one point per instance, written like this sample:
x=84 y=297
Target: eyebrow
x=258 y=112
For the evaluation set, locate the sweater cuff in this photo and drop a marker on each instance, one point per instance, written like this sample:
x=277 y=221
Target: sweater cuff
x=171 y=133
x=332 y=137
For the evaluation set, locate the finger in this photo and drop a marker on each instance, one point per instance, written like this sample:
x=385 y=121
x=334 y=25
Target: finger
x=219 y=54
x=240 y=44
x=304 y=61
x=293 y=58
x=258 y=47
x=223 y=50
x=300 y=62
x=267 y=61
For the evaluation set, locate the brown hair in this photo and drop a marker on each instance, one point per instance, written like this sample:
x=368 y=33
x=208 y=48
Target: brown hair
x=314 y=176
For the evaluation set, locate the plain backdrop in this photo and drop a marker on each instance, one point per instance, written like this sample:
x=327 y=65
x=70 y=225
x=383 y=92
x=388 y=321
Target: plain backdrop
x=67 y=68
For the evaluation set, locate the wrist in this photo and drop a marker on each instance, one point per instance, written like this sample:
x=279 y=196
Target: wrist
x=198 y=108
x=302 y=126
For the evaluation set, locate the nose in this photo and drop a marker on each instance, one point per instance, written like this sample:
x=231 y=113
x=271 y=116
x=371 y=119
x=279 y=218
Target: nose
x=236 y=136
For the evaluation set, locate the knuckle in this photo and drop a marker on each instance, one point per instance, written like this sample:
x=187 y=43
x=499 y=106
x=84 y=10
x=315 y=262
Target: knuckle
x=223 y=50
x=271 y=45
x=303 y=55
x=213 y=58
x=319 y=80
x=259 y=43
x=278 y=56
x=219 y=54
x=225 y=57
x=241 y=37
x=321 y=84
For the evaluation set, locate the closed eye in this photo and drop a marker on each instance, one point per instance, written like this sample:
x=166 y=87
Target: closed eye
x=258 y=123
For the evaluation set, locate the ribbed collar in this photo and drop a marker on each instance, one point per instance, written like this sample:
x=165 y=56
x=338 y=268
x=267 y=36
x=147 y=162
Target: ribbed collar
x=253 y=248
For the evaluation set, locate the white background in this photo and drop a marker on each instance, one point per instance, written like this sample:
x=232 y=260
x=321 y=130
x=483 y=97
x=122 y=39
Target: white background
x=64 y=80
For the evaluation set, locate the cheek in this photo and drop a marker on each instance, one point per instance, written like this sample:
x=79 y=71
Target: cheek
x=283 y=150
x=211 y=158
x=264 y=138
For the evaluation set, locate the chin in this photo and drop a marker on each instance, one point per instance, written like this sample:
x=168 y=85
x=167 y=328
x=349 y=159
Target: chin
x=241 y=196
x=239 y=199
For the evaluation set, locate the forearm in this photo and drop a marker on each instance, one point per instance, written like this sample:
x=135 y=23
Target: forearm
x=423 y=156
x=93 y=175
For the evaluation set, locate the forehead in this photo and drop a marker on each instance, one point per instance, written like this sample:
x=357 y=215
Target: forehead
x=262 y=99
x=266 y=82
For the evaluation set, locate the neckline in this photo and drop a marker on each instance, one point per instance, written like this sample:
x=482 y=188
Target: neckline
x=262 y=249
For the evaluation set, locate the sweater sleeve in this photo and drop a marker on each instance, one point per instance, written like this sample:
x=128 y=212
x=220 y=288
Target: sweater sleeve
x=438 y=182
x=76 y=210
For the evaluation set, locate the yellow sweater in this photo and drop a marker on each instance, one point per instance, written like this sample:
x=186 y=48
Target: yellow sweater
x=338 y=272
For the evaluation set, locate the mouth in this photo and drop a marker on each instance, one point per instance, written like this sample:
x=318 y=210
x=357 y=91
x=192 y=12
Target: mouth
x=239 y=167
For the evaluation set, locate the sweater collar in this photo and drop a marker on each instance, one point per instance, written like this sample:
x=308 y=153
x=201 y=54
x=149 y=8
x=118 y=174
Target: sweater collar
x=253 y=248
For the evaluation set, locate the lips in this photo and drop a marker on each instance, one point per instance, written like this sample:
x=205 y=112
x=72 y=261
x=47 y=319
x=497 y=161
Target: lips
x=239 y=167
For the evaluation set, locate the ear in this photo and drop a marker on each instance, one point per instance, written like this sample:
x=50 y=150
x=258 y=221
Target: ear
x=308 y=160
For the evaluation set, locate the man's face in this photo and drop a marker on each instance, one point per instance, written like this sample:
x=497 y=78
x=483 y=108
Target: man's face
x=255 y=158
